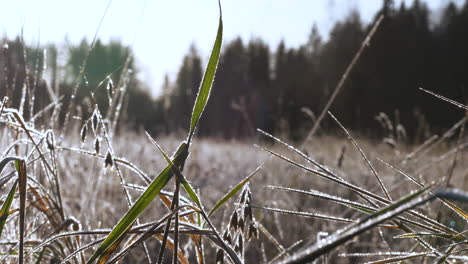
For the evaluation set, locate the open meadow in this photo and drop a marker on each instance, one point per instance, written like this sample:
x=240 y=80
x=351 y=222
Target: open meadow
x=294 y=207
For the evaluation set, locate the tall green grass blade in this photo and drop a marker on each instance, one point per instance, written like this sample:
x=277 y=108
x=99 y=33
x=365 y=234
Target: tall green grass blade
x=165 y=240
x=188 y=188
x=148 y=233
x=174 y=204
x=207 y=81
x=6 y=206
x=232 y=192
x=108 y=252
x=193 y=195
x=140 y=205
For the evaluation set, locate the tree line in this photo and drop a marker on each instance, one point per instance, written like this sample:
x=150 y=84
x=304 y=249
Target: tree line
x=282 y=89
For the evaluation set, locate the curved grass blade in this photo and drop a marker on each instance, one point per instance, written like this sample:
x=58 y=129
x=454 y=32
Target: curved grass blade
x=398 y=259
x=455 y=103
x=443 y=258
x=208 y=78
x=232 y=192
x=427 y=234
x=108 y=252
x=148 y=233
x=341 y=236
x=4 y=212
x=363 y=155
x=3 y=164
x=351 y=204
x=188 y=188
x=307 y=214
x=360 y=191
x=286 y=251
x=143 y=201
x=450 y=205
x=5 y=161
x=453 y=194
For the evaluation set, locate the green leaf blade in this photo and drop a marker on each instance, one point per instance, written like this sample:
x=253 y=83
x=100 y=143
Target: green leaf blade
x=207 y=81
x=187 y=186
x=6 y=160
x=6 y=206
x=233 y=191
x=140 y=205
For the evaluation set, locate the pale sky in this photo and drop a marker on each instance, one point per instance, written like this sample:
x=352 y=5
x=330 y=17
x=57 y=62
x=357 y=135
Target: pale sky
x=161 y=32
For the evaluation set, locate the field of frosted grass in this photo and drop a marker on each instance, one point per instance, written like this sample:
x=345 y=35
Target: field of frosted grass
x=93 y=195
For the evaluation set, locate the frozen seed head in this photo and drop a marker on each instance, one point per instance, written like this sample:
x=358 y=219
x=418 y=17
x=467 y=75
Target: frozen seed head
x=110 y=87
x=108 y=161
x=240 y=243
x=219 y=256
x=246 y=196
x=84 y=131
x=242 y=200
x=50 y=140
x=401 y=132
x=228 y=238
x=233 y=224
x=95 y=121
x=97 y=144
x=248 y=212
x=241 y=224
x=76 y=225
x=253 y=231
x=4 y=101
x=390 y=142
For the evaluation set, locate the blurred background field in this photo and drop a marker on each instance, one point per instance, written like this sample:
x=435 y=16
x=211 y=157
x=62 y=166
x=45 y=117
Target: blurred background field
x=275 y=88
